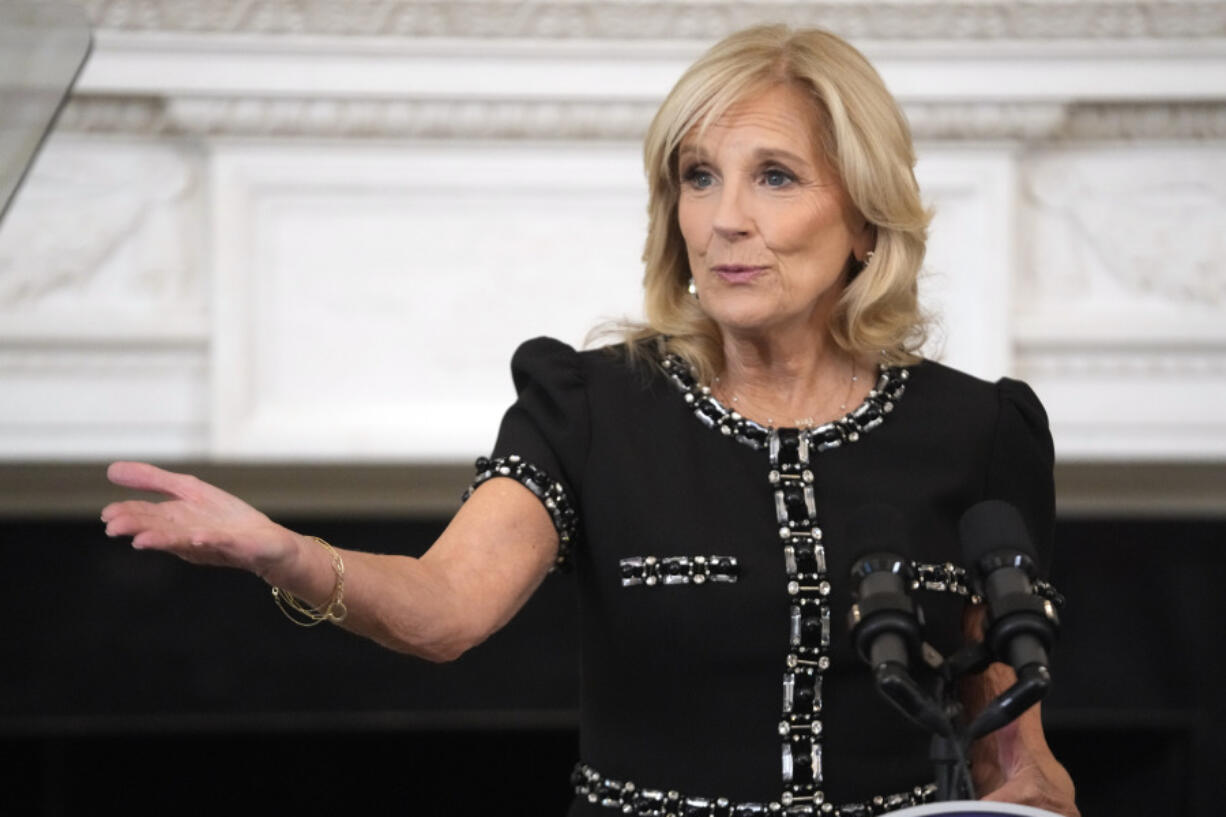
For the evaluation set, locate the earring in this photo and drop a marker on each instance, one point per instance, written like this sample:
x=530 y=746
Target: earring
x=693 y=290
x=863 y=265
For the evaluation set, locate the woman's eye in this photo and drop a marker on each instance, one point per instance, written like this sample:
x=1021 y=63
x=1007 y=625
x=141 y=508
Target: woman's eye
x=698 y=178
x=777 y=178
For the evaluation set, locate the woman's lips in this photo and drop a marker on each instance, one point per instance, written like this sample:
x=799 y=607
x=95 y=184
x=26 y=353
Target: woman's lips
x=737 y=273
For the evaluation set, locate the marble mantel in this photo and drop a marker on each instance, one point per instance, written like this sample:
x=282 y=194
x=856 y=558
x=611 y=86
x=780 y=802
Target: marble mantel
x=304 y=231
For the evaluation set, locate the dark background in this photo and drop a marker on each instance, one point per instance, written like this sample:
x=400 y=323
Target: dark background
x=133 y=680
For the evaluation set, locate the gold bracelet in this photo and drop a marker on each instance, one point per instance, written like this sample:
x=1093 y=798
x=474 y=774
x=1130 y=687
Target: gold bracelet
x=334 y=611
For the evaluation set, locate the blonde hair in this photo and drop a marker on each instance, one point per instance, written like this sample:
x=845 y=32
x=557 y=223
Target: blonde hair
x=865 y=138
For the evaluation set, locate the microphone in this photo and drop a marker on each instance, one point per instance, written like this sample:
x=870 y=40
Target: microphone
x=1021 y=626
x=885 y=624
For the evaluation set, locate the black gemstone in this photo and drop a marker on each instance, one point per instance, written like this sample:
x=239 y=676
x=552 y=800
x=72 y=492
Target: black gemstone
x=802 y=770
x=794 y=496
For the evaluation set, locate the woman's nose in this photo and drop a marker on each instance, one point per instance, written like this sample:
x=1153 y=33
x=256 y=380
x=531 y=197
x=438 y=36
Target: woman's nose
x=732 y=219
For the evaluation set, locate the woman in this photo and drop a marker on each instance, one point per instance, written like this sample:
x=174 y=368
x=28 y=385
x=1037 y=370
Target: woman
x=700 y=478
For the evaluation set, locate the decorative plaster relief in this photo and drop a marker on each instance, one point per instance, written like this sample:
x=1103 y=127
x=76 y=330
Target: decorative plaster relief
x=400 y=118
x=1121 y=226
x=681 y=19
x=347 y=118
x=368 y=300
x=1145 y=121
x=104 y=227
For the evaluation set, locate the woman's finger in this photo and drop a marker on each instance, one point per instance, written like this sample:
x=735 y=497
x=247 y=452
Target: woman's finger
x=142 y=476
x=174 y=540
x=132 y=507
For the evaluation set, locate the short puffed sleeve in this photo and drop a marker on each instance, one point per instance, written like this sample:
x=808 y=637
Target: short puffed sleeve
x=1020 y=471
x=543 y=440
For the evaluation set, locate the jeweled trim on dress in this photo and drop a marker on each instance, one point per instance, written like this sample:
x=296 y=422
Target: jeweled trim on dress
x=631 y=798
x=550 y=492
x=809 y=621
x=891 y=383
x=656 y=571
x=952 y=578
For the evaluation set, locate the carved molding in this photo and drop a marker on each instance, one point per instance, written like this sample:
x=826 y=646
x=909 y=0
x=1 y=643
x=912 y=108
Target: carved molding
x=355 y=118
x=91 y=359
x=1168 y=120
x=133 y=115
x=1132 y=363
x=682 y=19
x=1024 y=121
x=563 y=119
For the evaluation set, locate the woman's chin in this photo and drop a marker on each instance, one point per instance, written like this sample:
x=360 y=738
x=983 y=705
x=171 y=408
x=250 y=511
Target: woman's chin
x=739 y=314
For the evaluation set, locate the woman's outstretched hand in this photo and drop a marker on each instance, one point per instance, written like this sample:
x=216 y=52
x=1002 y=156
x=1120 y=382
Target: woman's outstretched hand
x=197 y=522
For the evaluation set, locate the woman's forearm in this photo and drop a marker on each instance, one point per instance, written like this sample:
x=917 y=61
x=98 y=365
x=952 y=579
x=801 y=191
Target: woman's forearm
x=482 y=569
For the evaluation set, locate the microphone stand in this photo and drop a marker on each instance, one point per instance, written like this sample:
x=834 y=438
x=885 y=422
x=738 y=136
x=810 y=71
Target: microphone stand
x=942 y=713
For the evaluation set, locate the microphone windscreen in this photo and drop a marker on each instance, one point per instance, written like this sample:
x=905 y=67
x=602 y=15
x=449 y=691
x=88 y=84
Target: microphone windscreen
x=878 y=528
x=990 y=526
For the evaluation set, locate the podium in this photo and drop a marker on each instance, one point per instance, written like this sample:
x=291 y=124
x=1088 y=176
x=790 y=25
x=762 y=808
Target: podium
x=970 y=808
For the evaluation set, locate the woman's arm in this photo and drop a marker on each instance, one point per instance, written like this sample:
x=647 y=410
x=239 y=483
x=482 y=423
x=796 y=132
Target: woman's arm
x=1012 y=764
x=476 y=576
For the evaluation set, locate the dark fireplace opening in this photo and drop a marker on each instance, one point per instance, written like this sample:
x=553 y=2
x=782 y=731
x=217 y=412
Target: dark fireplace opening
x=137 y=680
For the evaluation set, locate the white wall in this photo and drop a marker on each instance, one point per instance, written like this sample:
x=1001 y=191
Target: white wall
x=263 y=232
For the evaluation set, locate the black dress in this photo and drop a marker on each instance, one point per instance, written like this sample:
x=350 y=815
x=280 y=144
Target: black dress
x=731 y=675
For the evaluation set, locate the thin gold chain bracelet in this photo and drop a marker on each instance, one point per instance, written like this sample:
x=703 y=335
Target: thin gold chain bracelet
x=304 y=615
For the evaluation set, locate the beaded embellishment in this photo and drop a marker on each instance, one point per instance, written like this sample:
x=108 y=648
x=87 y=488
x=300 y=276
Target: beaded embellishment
x=951 y=578
x=630 y=798
x=891 y=383
x=808 y=588
x=654 y=571
x=551 y=494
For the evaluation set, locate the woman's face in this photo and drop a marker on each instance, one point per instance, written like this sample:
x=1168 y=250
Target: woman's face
x=767 y=225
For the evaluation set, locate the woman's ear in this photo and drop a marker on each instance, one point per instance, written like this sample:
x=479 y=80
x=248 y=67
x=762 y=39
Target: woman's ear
x=866 y=240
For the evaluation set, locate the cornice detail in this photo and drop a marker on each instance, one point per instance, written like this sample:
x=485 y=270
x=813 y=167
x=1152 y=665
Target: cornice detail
x=681 y=20
x=290 y=117
x=1136 y=121
x=986 y=120
x=345 y=118
x=1075 y=363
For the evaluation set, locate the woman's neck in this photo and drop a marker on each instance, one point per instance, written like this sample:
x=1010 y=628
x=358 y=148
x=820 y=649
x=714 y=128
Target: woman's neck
x=800 y=378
